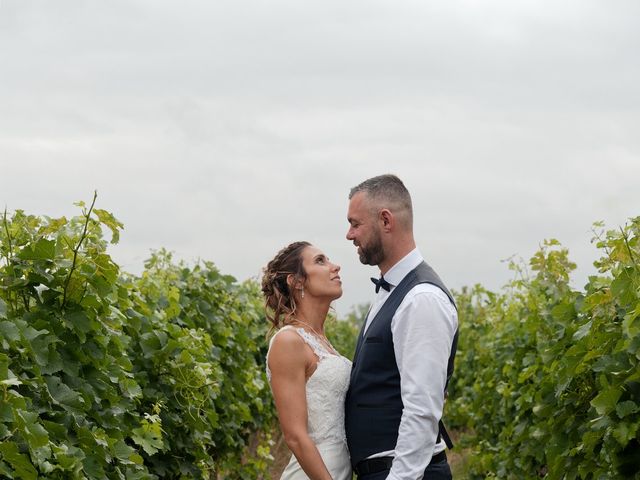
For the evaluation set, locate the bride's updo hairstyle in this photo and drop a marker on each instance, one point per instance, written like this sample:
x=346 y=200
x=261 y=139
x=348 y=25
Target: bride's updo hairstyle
x=279 y=297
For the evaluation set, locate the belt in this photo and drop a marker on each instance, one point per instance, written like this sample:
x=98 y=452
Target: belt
x=380 y=464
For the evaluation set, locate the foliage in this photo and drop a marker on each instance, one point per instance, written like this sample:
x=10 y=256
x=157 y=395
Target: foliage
x=547 y=377
x=108 y=375
x=343 y=333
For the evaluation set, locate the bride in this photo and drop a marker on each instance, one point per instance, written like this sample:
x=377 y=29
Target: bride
x=309 y=378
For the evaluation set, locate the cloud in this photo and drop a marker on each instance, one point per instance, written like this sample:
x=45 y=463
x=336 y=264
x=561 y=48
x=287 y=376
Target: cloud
x=225 y=130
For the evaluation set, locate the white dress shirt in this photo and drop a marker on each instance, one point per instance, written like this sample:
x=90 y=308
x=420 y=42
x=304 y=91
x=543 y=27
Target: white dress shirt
x=423 y=328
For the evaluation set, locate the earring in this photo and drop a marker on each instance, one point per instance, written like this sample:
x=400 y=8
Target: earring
x=302 y=293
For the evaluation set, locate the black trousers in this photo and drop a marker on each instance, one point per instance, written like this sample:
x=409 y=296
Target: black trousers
x=435 y=471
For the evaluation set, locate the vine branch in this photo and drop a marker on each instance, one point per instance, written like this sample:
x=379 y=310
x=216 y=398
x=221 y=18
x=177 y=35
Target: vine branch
x=9 y=255
x=625 y=237
x=6 y=229
x=77 y=249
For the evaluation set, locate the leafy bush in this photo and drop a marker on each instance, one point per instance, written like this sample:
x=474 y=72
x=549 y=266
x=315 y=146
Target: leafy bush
x=343 y=333
x=108 y=375
x=547 y=377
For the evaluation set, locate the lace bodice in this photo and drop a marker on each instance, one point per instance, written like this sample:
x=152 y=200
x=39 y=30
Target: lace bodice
x=326 y=390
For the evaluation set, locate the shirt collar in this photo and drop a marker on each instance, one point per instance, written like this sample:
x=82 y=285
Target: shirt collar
x=400 y=270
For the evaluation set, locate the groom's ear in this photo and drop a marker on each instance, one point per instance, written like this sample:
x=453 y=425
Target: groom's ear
x=386 y=219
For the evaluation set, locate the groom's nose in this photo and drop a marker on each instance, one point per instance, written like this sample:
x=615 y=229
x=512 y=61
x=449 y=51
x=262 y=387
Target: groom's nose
x=350 y=234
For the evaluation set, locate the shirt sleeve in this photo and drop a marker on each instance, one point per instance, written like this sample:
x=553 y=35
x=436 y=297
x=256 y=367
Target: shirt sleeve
x=423 y=329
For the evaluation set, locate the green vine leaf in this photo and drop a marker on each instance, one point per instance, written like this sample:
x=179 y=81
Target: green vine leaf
x=42 y=249
x=149 y=437
x=18 y=461
x=110 y=222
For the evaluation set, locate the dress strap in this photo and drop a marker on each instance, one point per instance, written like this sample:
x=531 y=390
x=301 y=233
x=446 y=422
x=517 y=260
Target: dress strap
x=314 y=342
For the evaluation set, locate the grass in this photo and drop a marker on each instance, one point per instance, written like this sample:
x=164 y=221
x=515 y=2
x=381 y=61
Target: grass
x=281 y=455
x=459 y=456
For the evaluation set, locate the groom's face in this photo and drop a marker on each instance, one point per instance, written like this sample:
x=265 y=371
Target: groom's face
x=364 y=230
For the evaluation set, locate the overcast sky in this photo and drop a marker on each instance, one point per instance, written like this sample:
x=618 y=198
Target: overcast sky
x=224 y=130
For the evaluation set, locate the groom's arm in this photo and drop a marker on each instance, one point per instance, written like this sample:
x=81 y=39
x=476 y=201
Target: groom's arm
x=423 y=329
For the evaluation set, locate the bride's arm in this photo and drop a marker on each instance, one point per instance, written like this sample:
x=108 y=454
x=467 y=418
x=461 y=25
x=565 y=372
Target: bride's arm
x=288 y=360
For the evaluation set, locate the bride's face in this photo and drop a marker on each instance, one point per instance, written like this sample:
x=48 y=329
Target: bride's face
x=323 y=279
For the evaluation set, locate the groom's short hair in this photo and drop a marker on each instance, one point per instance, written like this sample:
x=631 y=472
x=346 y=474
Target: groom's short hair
x=388 y=191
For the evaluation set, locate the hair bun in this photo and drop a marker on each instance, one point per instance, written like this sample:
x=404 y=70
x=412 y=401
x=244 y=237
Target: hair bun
x=280 y=302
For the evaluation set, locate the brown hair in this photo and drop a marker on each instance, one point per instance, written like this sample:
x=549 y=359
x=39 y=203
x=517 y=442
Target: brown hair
x=279 y=298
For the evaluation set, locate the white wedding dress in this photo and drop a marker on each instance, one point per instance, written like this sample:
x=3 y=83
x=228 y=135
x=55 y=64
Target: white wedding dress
x=326 y=389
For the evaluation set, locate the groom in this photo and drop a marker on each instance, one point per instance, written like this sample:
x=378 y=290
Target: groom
x=405 y=351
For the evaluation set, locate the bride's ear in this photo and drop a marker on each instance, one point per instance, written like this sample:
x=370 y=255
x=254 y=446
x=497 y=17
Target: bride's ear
x=294 y=282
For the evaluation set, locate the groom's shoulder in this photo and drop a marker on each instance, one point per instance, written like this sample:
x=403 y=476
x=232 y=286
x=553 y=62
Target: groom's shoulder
x=427 y=294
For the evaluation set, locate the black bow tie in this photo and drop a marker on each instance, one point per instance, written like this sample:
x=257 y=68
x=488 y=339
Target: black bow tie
x=381 y=283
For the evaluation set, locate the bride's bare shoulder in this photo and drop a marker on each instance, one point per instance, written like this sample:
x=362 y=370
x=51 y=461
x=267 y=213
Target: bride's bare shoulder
x=287 y=350
x=287 y=339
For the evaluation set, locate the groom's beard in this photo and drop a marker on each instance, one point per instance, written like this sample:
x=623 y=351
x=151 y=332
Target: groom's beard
x=373 y=253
